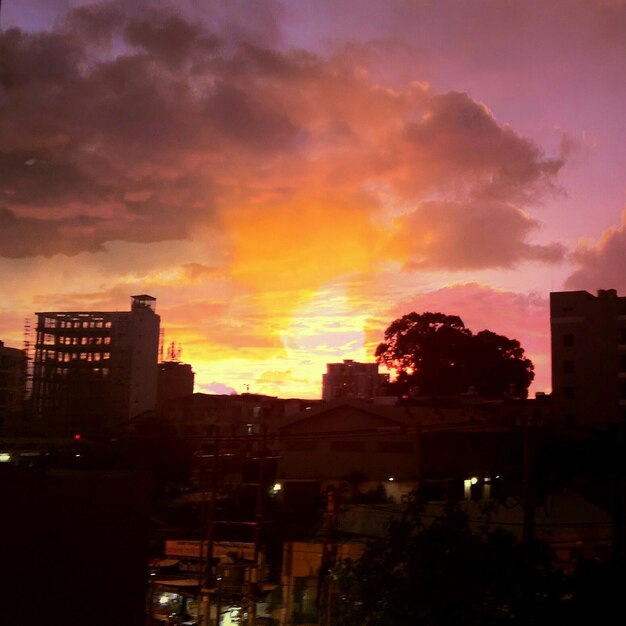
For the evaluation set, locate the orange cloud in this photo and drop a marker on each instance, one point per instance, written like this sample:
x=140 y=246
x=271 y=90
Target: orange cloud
x=602 y=265
x=457 y=235
x=248 y=186
x=303 y=243
x=207 y=127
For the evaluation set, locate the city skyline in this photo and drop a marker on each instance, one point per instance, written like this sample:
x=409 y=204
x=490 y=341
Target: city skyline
x=287 y=178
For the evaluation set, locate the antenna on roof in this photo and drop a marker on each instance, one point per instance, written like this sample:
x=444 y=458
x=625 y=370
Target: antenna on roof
x=161 y=340
x=174 y=352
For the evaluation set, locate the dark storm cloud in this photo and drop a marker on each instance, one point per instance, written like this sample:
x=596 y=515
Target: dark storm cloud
x=23 y=237
x=236 y=116
x=488 y=159
x=144 y=125
x=31 y=178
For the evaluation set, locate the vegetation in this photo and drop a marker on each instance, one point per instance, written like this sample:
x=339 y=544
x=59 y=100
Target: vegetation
x=446 y=574
x=438 y=355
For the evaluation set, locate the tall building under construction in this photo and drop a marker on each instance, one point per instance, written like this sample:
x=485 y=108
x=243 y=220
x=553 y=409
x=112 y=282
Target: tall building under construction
x=94 y=371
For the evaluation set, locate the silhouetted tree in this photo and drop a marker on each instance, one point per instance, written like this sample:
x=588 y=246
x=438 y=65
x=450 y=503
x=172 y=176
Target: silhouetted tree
x=440 y=356
x=445 y=574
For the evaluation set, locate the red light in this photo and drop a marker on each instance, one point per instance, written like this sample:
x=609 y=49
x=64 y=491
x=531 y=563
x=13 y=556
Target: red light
x=77 y=436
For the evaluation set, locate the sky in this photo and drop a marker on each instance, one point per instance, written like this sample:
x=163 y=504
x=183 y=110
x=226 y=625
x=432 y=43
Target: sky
x=288 y=177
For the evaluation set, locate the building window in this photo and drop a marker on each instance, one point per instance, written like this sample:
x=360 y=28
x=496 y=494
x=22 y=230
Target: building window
x=568 y=340
x=568 y=366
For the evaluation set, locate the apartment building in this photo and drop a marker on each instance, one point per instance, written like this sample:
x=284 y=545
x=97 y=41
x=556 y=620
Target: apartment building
x=588 y=335
x=94 y=370
x=351 y=379
x=12 y=386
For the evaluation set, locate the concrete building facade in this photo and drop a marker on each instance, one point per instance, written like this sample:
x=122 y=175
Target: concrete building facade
x=351 y=379
x=94 y=370
x=588 y=336
x=12 y=386
x=175 y=380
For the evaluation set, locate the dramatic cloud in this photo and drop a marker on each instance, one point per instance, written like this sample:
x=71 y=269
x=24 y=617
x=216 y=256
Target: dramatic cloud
x=287 y=177
x=602 y=266
x=469 y=235
x=148 y=127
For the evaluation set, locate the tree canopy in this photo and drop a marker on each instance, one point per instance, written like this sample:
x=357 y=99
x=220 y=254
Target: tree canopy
x=448 y=573
x=437 y=354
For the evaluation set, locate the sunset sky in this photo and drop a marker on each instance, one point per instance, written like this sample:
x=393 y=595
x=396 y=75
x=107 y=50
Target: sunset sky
x=287 y=177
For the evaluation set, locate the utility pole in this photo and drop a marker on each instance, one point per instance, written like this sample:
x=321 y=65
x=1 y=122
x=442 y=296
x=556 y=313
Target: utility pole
x=619 y=496
x=329 y=557
x=208 y=575
x=528 y=480
x=256 y=573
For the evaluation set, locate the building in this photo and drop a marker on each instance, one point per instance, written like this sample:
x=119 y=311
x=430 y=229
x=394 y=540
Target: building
x=175 y=380
x=588 y=357
x=198 y=414
x=404 y=443
x=12 y=386
x=352 y=380
x=83 y=530
x=93 y=371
